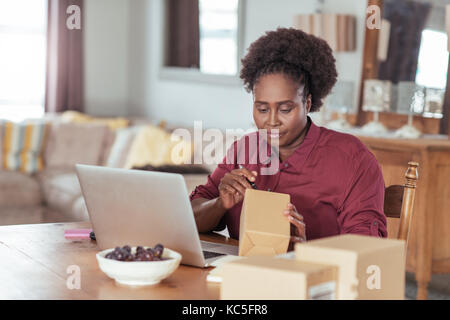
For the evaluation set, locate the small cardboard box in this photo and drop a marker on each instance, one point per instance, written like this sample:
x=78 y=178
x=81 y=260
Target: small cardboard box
x=269 y=278
x=368 y=267
x=264 y=230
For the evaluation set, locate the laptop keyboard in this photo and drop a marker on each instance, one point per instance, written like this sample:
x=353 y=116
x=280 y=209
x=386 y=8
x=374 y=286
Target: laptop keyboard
x=209 y=254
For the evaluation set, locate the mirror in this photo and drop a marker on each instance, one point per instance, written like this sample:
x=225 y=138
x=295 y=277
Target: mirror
x=203 y=38
x=412 y=55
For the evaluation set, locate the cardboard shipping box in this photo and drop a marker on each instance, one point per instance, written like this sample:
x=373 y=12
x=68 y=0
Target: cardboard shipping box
x=264 y=230
x=269 y=278
x=368 y=267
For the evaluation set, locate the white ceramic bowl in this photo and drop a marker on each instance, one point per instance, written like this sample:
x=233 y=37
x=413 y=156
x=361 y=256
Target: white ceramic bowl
x=139 y=273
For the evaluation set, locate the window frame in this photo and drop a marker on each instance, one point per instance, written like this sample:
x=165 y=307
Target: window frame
x=195 y=75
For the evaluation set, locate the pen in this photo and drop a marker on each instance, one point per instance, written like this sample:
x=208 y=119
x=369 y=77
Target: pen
x=251 y=183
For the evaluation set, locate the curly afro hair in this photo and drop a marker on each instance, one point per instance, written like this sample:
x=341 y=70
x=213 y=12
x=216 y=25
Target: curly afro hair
x=305 y=58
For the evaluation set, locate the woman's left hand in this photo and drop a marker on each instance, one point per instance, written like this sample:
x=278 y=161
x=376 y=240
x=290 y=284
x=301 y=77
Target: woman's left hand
x=298 y=227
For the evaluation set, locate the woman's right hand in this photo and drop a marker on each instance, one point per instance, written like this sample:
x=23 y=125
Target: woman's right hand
x=232 y=186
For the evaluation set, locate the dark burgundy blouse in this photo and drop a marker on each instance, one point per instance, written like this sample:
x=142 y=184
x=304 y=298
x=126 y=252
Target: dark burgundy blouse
x=334 y=181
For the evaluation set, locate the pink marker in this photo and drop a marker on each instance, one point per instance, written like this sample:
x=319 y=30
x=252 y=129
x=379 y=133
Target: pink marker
x=77 y=233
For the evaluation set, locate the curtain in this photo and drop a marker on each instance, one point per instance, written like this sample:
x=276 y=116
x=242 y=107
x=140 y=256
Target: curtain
x=407 y=20
x=183 y=33
x=64 y=73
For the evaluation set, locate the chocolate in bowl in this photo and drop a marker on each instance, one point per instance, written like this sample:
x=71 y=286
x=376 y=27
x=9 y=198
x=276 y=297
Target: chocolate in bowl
x=139 y=253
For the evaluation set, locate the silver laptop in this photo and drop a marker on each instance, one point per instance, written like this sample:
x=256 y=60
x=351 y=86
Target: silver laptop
x=134 y=207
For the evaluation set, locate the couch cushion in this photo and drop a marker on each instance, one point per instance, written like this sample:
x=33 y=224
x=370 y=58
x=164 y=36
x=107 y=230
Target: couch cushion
x=23 y=145
x=18 y=189
x=60 y=188
x=72 y=143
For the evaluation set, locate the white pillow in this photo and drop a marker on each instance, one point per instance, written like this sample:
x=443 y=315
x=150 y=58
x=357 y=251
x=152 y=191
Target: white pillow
x=121 y=147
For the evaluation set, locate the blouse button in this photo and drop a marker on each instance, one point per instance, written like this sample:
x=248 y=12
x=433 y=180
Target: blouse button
x=286 y=165
x=268 y=189
x=374 y=223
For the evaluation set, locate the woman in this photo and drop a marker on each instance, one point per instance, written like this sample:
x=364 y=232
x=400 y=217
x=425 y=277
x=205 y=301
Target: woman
x=335 y=183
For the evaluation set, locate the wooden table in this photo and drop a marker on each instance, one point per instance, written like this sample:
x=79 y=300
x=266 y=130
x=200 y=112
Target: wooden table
x=34 y=261
x=429 y=237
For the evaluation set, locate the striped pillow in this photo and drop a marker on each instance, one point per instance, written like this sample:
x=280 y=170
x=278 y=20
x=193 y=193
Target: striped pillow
x=22 y=145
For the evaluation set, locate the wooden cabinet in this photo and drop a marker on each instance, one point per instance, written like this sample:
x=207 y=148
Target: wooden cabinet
x=429 y=238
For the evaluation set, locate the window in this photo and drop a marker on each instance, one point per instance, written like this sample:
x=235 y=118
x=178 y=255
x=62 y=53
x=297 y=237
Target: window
x=433 y=56
x=23 y=26
x=218 y=36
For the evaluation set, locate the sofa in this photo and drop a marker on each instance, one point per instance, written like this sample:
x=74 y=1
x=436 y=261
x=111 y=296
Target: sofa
x=53 y=194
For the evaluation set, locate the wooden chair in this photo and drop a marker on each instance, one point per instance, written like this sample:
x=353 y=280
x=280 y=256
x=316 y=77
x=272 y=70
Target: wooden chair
x=399 y=201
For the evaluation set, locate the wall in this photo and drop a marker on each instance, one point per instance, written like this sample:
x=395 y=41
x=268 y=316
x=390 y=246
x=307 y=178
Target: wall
x=224 y=106
x=349 y=64
x=179 y=102
x=106 y=34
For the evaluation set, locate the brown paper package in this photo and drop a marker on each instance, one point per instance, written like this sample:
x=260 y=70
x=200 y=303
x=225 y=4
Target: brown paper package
x=264 y=230
x=268 y=278
x=368 y=267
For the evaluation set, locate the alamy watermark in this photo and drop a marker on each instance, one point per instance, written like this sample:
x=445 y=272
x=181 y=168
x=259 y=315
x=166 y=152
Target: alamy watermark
x=374 y=279
x=234 y=146
x=374 y=19
x=73 y=281
x=74 y=19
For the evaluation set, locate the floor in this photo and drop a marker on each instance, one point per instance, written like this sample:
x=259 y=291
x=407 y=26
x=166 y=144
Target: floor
x=438 y=288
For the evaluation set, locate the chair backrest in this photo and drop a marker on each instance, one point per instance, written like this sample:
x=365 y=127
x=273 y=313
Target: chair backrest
x=399 y=201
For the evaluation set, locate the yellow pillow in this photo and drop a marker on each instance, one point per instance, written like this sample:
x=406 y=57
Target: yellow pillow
x=154 y=146
x=78 y=117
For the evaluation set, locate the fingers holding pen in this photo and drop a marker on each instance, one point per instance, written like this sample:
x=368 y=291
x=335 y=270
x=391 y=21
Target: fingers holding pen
x=250 y=175
x=233 y=185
